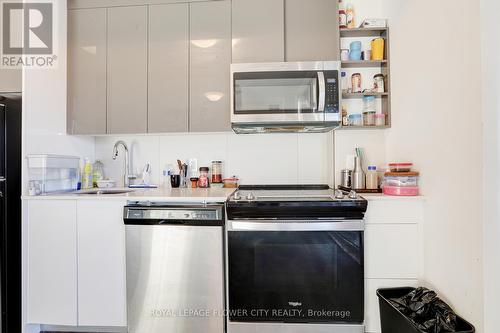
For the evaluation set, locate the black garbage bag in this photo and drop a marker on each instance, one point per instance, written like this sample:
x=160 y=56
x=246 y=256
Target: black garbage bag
x=429 y=313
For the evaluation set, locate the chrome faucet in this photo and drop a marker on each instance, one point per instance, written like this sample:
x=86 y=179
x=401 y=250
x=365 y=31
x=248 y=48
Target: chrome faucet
x=127 y=173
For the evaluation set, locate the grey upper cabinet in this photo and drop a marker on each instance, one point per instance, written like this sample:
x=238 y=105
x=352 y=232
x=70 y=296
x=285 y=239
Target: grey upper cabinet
x=210 y=59
x=87 y=71
x=311 y=29
x=127 y=70
x=258 y=30
x=168 y=75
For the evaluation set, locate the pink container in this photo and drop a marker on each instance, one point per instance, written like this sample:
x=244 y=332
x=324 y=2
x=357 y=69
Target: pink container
x=406 y=191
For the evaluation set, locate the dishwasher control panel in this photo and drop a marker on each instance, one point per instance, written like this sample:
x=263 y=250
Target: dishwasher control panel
x=150 y=214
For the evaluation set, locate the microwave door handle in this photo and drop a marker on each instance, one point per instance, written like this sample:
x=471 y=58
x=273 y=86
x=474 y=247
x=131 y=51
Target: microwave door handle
x=322 y=91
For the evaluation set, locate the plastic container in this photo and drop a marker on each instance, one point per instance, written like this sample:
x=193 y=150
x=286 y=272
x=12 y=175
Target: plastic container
x=400 y=167
x=401 y=179
x=369 y=103
x=231 y=182
x=401 y=191
x=393 y=321
x=356 y=119
x=380 y=119
x=372 y=178
x=52 y=173
x=105 y=183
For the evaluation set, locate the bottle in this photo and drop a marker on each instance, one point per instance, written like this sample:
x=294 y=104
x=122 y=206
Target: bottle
x=358 y=175
x=351 y=19
x=342 y=15
x=87 y=174
x=372 y=178
x=98 y=173
x=167 y=172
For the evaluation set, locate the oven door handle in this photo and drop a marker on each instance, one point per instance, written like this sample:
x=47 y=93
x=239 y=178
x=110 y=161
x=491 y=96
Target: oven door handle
x=249 y=225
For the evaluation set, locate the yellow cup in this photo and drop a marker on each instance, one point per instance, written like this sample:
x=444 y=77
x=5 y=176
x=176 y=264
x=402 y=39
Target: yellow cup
x=378 y=49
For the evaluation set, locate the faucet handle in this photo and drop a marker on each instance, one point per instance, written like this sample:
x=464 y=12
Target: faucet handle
x=131 y=176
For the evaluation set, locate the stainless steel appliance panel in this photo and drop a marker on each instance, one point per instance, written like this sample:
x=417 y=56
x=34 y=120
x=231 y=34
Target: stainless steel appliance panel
x=175 y=279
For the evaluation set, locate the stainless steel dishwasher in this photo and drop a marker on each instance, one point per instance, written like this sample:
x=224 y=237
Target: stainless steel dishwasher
x=174 y=268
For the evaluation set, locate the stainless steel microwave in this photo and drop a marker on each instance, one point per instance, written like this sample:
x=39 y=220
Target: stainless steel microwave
x=285 y=97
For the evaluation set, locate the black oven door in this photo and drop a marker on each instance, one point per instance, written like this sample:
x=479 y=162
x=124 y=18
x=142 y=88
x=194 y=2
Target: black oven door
x=296 y=276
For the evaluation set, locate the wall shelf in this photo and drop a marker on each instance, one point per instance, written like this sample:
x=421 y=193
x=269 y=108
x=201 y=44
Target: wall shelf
x=362 y=32
x=363 y=94
x=363 y=127
x=362 y=63
x=367 y=69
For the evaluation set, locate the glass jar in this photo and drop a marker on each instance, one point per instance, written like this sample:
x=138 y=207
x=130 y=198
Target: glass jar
x=217 y=172
x=356 y=119
x=369 y=118
x=203 y=181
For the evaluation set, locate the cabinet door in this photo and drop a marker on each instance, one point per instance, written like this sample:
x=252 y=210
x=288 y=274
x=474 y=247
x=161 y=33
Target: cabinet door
x=311 y=30
x=87 y=71
x=127 y=70
x=52 y=270
x=101 y=264
x=168 y=68
x=210 y=60
x=258 y=30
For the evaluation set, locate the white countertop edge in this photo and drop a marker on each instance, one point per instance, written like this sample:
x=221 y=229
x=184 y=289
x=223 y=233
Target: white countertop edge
x=382 y=197
x=162 y=195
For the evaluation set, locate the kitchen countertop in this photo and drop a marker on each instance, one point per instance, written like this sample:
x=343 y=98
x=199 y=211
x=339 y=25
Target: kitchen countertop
x=197 y=195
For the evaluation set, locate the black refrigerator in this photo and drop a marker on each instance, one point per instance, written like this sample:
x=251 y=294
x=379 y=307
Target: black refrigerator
x=10 y=209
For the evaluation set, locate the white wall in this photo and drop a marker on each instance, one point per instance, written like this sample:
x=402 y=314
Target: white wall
x=437 y=124
x=10 y=80
x=256 y=159
x=491 y=114
x=44 y=104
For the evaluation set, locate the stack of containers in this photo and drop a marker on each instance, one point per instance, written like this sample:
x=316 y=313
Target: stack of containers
x=401 y=180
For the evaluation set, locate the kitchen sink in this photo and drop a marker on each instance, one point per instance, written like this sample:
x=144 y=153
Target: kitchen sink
x=100 y=191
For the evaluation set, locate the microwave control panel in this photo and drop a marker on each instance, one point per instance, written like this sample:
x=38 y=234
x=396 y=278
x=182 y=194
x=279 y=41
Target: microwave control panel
x=332 y=92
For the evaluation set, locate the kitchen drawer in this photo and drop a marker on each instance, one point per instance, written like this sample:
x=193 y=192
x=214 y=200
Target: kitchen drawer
x=394 y=211
x=392 y=251
x=372 y=313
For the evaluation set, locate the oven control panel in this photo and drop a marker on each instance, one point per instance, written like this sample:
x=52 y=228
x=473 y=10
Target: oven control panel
x=332 y=92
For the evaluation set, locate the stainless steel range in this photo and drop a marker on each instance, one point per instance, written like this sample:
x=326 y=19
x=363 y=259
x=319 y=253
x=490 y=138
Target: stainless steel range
x=295 y=260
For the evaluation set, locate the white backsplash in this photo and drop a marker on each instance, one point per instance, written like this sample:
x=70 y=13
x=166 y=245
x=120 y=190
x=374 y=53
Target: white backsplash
x=255 y=159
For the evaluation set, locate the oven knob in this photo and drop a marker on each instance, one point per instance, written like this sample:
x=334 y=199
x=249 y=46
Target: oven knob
x=237 y=196
x=339 y=194
x=250 y=196
x=353 y=195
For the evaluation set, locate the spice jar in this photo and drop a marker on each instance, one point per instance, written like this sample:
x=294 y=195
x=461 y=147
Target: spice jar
x=194 y=182
x=369 y=118
x=216 y=171
x=356 y=83
x=379 y=83
x=203 y=181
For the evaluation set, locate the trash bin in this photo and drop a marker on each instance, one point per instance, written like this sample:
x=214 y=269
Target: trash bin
x=393 y=321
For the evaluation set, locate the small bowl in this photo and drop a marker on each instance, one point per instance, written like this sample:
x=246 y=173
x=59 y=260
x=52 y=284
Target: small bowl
x=106 y=183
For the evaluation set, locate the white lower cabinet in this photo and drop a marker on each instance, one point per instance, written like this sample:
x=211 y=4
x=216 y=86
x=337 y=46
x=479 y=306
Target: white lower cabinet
x=76 y=263
x=101 y=263
x=392 y=251
x=52 y=271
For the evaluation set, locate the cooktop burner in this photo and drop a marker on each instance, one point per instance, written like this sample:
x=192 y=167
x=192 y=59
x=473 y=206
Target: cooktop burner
x=294 y=201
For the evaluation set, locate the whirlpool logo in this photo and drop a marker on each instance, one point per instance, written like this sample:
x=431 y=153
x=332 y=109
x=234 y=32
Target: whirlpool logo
x=295 y=304
x=28 y=34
